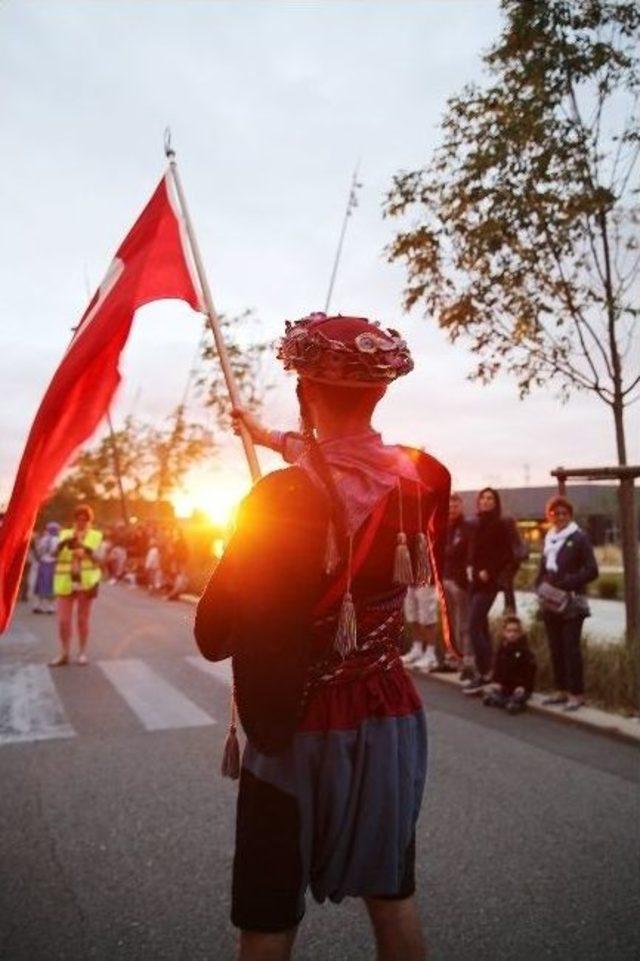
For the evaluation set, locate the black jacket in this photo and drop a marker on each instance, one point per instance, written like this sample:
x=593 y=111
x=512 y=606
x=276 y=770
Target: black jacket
x=456 y=553
x=258 y=606
x=514 y=665
x=577 y=565
x=490 y=550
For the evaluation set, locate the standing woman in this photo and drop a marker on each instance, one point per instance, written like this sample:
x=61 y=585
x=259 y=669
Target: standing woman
x=308 y=601
x=569 y=564
x=46 y=553
x=75 y=581
x=489 y=554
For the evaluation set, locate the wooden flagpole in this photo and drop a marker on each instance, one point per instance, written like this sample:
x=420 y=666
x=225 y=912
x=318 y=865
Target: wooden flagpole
x=212 y=316
x=231 y=755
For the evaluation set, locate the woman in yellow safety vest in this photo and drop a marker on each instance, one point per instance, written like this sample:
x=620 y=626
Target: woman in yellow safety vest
x=75 y=580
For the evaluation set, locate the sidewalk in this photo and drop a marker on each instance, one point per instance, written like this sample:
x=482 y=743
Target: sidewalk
x=626 y=728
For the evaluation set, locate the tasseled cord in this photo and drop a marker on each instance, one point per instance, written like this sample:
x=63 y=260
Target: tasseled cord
x=347 y=633
x=230 y=766
x=332 y=552
x=422 y=566
x=402 y=570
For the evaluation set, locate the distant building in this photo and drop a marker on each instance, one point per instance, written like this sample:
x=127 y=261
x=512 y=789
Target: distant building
x=596 y=509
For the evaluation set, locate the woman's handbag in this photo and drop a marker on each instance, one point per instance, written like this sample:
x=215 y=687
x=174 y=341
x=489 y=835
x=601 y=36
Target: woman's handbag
x=566 y=604
x=552 y=599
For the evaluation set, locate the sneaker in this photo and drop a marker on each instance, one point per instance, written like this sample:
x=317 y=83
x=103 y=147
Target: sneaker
x=427 y=663
x=573 y=704
x=467 y=673
x=414 y=654
x=554 y=699
x=473 y=687
x=515 y=706
x=493 y=699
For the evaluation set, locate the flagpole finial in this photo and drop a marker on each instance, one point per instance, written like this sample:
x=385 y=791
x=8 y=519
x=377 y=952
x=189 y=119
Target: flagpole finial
x=169 y=152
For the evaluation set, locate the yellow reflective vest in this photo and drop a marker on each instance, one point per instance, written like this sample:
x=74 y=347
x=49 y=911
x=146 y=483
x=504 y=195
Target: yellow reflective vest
x=90 y=572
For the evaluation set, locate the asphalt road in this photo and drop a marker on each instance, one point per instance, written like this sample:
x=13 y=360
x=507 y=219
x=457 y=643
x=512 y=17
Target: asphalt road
x=117 y=831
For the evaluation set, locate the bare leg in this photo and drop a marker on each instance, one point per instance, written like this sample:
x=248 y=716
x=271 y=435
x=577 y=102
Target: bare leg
x=65 y=611
x=397 y=929
x=257 y=946
x=84 y=610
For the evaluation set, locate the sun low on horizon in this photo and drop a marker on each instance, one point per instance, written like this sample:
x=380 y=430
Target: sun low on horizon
x=213 y=493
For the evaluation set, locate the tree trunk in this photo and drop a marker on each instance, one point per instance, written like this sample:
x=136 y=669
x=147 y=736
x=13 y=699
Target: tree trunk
x=629 y=544
x=626 y=499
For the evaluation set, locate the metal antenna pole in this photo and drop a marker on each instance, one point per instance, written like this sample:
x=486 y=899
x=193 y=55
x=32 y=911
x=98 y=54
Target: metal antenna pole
x=116 y=463
x=212 y=316
x=192 y=370
x=352 y=203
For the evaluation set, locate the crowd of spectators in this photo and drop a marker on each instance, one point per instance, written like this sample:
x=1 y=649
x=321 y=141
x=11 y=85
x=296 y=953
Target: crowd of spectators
x=482 y=557
x=150 y=555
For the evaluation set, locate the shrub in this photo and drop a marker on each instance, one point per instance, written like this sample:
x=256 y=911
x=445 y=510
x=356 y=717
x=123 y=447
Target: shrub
x=525 y=577
x=607 y=588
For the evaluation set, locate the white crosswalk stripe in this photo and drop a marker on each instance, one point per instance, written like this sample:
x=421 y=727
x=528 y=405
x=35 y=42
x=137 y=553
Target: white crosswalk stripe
x=30 y=709
x=158 y=705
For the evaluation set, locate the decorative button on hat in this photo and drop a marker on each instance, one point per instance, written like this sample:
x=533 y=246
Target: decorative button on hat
x=344 y=351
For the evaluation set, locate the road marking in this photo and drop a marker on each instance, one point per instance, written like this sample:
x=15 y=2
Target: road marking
x=30 y=709
x=157 y=703
x=221 y=670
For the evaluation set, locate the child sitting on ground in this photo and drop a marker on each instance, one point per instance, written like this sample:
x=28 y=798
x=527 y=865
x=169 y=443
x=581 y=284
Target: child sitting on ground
x=514 y=669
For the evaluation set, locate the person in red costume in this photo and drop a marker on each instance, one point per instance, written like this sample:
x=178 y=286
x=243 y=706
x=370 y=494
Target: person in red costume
x=308 y=601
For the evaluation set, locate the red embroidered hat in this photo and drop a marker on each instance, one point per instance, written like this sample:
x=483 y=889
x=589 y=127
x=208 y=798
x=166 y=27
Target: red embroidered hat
x=345 y=351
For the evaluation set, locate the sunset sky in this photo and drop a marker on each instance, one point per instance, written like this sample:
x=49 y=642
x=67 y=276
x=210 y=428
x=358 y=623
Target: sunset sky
x=271 y=104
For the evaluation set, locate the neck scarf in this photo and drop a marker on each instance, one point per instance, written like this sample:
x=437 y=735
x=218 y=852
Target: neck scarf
x=553 y=542
x=364 y=469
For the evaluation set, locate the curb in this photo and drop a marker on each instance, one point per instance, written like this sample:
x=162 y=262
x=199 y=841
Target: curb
x=588 y=718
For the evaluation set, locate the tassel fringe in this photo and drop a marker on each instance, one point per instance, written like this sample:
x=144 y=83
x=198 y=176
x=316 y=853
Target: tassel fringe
x=347 y=633
x=422 y=567
x=230 y=766
x=402 y=570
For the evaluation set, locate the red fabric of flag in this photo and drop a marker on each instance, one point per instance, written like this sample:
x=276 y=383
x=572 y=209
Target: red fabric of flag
x=150 y=265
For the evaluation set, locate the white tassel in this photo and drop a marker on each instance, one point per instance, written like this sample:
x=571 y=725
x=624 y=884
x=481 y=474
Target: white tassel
x=230 y=766
x=346 y=640
x=423 y=571
x=347 y=633
x=402 y=570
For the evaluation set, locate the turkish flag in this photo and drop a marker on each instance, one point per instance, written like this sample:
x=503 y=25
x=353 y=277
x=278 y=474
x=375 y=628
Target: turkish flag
x=150 y=265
